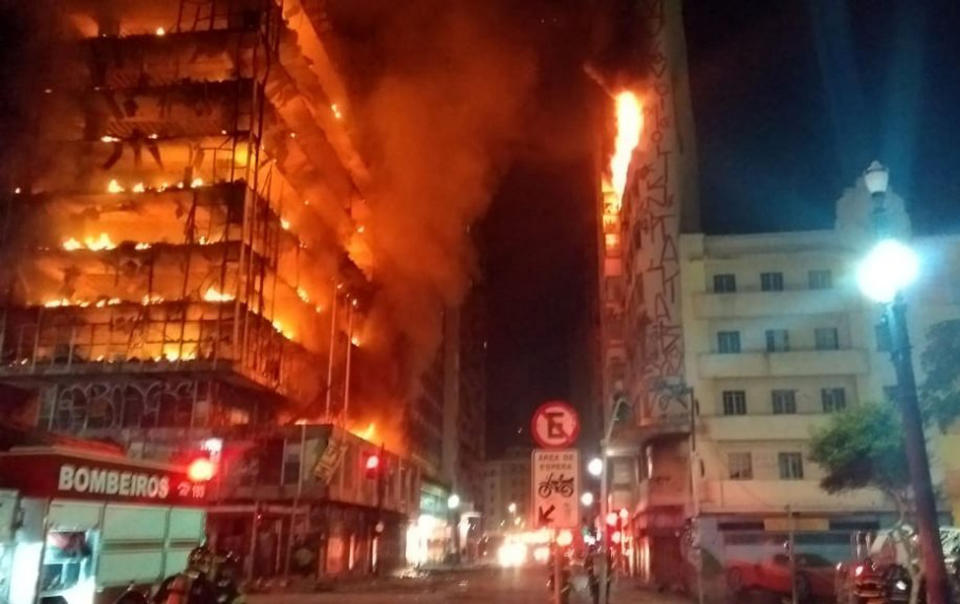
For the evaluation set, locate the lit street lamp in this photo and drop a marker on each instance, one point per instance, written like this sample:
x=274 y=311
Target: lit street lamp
x=586 y=499
x=595 y=467
x=512 y=508
x=886 y=270
x=453 y=501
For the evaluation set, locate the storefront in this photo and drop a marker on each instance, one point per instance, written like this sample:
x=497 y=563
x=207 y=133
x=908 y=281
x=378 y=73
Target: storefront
x=79 y=526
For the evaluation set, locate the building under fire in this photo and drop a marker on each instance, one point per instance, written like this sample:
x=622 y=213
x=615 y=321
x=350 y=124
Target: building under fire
x=175 y=231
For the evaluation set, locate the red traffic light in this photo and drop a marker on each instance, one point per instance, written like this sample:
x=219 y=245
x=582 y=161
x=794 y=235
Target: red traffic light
x=612 y=519
x=201 y=469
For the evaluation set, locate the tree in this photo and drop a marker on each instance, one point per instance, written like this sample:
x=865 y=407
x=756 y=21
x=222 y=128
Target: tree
x=863 y=447
x=940 y=360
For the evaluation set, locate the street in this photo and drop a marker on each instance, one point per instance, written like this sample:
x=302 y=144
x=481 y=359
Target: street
x=492 y=585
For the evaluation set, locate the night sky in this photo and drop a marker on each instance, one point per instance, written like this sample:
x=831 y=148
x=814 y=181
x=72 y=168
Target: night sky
x=792 y=99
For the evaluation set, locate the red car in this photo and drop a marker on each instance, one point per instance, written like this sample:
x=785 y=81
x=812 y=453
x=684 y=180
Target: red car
x=815 y=576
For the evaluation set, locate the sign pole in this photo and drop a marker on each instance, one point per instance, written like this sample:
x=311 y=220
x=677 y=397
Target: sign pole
x=556 y=569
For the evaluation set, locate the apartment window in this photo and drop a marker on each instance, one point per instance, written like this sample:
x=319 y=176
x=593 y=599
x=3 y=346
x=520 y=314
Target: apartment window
x=725 y=283
x=771 y=282
x=821 y=279
x=734 y=402
x=740 y=466
x=778 y=340
x=833 y=399
x=791 y=466
x=882 y=333
x=784 y=402
x=728 y=342
x=825 y=338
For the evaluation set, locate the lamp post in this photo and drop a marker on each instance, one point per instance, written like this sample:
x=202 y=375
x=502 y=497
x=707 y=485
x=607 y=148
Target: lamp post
x=453 y=505
x=882 y=275
x=602 y=469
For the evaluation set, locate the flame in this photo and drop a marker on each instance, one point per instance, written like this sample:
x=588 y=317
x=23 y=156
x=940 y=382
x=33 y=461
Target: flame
x=285 y=224
x=151 y=299
x=303 y=295
x=101 y=242
x=57 y=303
x=142 y=246
x=355 y=341
x=114 y=187
x=336 y=111
x=109 y=139
x=196 y=182
x=629 y=125
x=214 y=295
x=367 y=433
x=160 y=31
x=138 y=188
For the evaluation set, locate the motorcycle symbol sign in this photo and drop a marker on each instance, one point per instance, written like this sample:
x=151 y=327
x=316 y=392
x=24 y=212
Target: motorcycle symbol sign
x=555 y=482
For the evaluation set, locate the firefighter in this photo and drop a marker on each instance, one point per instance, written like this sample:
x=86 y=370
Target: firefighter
x=193 y=585
x=226 y=580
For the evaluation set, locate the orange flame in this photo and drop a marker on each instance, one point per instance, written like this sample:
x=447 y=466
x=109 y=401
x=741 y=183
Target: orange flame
x=367 y=433
x=629 y=126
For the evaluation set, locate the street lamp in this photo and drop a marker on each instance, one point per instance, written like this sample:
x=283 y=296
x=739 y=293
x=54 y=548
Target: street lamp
x=886 y=270
x=453 y=501
x=586 y=499
x=512 y=508
x=595 y=467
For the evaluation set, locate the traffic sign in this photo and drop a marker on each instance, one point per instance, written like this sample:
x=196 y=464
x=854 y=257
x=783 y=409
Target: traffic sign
x=555 y=481
x=555 y=425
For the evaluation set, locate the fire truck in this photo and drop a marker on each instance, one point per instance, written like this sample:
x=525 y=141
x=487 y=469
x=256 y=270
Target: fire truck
x=80 y=527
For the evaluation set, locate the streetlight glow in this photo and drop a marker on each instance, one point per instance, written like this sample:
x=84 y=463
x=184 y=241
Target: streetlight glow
x=586 y=499
x=453 y=502
x=888 y=268
x=512 y=508
x=595 y=467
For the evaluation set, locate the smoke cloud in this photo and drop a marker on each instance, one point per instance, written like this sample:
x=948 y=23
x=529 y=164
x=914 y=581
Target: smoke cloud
x=439 y=116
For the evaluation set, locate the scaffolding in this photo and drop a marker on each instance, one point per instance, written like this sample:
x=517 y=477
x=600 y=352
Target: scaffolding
x=174 y=262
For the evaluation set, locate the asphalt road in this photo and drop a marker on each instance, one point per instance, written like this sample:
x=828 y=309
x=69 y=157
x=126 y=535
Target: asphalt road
x=488 y=585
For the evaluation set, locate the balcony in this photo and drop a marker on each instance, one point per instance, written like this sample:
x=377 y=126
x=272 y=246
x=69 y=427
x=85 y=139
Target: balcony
x=709 y=305
x=771 y=427
x=773 y=496
x=851 y=361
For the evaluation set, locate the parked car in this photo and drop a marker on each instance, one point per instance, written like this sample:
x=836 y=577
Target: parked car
x=881 y=577
x=815 y=577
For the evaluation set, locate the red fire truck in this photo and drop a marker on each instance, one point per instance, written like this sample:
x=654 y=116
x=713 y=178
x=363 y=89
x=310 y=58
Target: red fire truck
x=79 y=526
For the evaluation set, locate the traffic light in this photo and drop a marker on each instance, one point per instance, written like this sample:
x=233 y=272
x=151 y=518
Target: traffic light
x=201 y=469
x=372 y=466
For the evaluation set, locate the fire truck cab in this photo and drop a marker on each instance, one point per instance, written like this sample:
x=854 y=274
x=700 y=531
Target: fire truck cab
x=79 y=527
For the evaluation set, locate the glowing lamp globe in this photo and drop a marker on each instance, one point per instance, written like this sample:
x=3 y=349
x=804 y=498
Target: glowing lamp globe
x=453 y=502
x=201 y=469
x=887 y=269
x=595 y=467
x=586 y=499
x=564 y=538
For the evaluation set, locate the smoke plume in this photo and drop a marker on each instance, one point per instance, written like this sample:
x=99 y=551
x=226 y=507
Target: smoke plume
x=438 y=117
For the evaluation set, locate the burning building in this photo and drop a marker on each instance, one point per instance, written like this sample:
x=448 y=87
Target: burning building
x=176 y=222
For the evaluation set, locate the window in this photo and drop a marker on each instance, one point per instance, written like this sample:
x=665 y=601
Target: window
x=833 y=399
x=740 y=466
x=784 y=402
x=826 y=338
x=791 y=466
x=725 y=283
x=734 y=402
x=821 y=279
x=882 y=333
x=771 y=282
x=728 y=342
x=778 y=340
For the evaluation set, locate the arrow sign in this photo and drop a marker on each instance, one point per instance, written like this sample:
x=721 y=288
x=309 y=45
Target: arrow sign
x=543 y=515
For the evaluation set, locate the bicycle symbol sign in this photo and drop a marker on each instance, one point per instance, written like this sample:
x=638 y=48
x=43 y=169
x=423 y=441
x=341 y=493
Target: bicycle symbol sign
x=555 y=483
